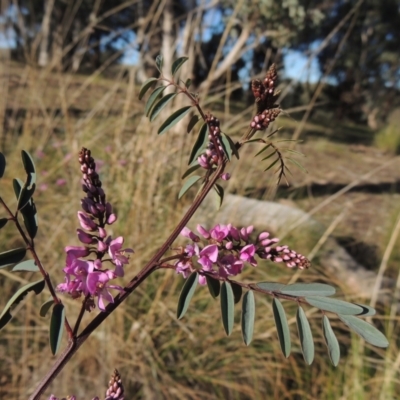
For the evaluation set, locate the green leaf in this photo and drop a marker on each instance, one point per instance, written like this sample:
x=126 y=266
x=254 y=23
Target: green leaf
x=177 y=64
x=190 y=170
x=193 y=121
x=309 y=289
x=214 y=286
x=188 y=184
x=45 y=307
x=295 y=162
x=219 y=190
x=3 y=222
x=152 y=99
x=263 y=149
x=282 y=327
x=173 y=119
x=188 y=83
x=334 y=305
x=270 y=286
x=365 y=330
x=227 y=307
x=56 y=327
x=17 y=186
x=25 y=196
x=237 y=292
x=201 y=141
x=248 y=314
x=306 y=338
x=146 y=86
x=271 y=165
x=331 y=341
x=232 y=146
x=226 y=147
x=159 y=62
x=27 y=160
x=12 y=256
x=2 y=164
x=6 y=316
x=160 y=105
x=28 y=265
x=186 y=294
x=30 y=218
x=367 y=310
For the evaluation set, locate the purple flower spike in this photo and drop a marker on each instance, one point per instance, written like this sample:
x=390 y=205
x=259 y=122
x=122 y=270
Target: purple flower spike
x=86 y=222
x=85 y=237
x=186 y=232
x=203 y=232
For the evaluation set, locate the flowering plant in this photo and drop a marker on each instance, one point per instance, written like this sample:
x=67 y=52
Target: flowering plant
x=214 y=257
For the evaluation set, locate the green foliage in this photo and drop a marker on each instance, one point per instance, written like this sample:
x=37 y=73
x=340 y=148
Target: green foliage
x=173 y=119
x=28 y=265
x=331 y=341
x=200 y=144
x=282 y=327
x=12 y=256
x=56 y=327
x=305 y=335
x=188 y=184
x=227 y=307
x=248 y=316
x=186 y=294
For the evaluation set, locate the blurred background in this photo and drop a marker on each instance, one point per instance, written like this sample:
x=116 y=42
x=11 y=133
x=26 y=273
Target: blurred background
x=70 y=72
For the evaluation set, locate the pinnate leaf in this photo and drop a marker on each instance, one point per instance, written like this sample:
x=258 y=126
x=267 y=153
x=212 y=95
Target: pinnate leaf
x=331 y=341
x=173 y=119
x=177 y=64
x=334 y=305
x=160 y=105
x=227 y=307
x=12 y=256
x=188 y=184
x=214 y=286
x=282 y=327
x=186 y=294
x=306 y=338
x=308 y=289
x=6 y=316
x=56 y=327
x=365 y=330
x=248 y=314
x=146 y=86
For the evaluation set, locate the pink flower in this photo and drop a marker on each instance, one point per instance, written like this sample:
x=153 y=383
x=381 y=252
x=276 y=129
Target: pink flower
x=208 y=256
x=219 y=232
x=118 y=256
x=186 y=232
x=203 y=232
x=86 y=222
x=85 y=237
x=61 y=182
x=97 y=284
x=247 y=254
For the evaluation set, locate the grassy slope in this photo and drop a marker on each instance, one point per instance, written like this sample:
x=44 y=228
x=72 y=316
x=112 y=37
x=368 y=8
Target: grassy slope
x=158 y=356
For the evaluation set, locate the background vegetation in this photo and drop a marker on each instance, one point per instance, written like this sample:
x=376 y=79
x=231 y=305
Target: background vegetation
x=63 y=86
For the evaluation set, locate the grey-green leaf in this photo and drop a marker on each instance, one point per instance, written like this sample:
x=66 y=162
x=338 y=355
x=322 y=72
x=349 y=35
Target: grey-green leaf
x=30 y=218
x=160 y=105
x=232 y=146
x=146 y=86
x=226 y=146
x=17 y=186
x=188 y=184
x=309 y=289
x=334 y=305
x=331 y=341
x=282 y=327
x=25 y=196
x=27 y=160
x=271 y=165
x=214 y=286
x=186 y=294
x=3 y=222
x=227 y=307
x=173 y=119
x=367 y=310
x=56 y=327
x=365 y=330
x=219 y=190
x=45 y=307
x=6 y=316
x=188 y=83
x=237 y=292
x=28 y=265
x=12 y=256
x=248 y=314
x=270 y=286
x=178 y=64
x=306 y=338
x=152 y=99
x=200 y=144
x=193 y=121
x=159 y=62
x=190 y=170
x=2 y=164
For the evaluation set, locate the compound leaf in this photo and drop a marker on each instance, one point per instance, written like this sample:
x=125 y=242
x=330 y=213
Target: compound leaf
x=334 y=305
x=308 y=289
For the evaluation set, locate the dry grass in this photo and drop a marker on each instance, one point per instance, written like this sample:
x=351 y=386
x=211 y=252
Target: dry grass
x=158 y=356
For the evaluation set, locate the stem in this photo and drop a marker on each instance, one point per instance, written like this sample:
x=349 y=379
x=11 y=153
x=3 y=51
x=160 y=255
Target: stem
x=149 y=268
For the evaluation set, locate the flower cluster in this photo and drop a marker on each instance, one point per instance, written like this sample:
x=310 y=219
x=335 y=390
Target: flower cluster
x=265 y=95
x=211 y=156
x=115 y=390
x=84 y=274
x=227 y=250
